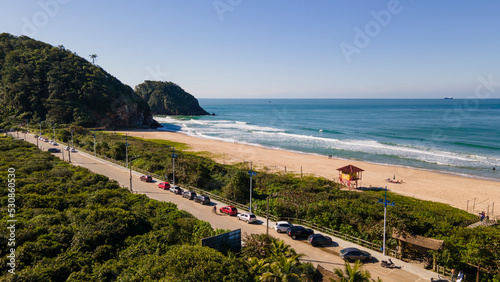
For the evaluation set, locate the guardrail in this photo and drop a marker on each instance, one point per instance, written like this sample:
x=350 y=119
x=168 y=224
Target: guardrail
x=391 y=252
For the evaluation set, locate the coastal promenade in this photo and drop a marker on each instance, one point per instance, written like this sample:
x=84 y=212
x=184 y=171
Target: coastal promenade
x=327 y=257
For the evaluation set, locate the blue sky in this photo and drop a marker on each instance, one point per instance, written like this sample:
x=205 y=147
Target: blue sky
x=278 y=49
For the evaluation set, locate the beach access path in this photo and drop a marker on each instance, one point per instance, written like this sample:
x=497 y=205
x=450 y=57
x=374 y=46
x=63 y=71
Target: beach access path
x=471 y=194
x=327 y=256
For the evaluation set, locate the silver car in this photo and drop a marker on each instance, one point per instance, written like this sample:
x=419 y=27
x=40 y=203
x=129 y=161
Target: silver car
x=282 y=226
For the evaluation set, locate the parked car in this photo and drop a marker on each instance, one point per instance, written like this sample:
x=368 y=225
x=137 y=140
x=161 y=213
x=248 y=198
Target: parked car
x=189 y=195
x=202 y=199
x=176 y=189
x=248 y=217
x=353 y=254
x=282 y=226
x=54 y=150
x=230 y=210
x=147 y=178
x=164 y=185
x=73 y=150
x=319 y=240
x=298 y=231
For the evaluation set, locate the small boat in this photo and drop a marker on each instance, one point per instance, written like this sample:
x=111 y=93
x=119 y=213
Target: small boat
x=448 y=98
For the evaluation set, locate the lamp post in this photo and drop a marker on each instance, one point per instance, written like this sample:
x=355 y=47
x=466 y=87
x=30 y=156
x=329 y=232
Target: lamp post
x=69 y=152
x=72 y=139
x=40 y=129
x=130 y=170
x=385 y=203
x=174 y=155
x=126 y=155
x=267 y=212
x=94 y=144
x=54 y=129
x=252 y=173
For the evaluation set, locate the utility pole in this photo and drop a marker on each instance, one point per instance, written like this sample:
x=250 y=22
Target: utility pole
x=174 y=155
x=385 y=203
x=72 y=139
x=252 y=173
x=69 y=153
x=54 y=129
x=94 y=144
x=126 y=153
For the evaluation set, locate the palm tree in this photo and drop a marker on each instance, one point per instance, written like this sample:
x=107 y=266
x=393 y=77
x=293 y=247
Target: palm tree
x=282 y=269
x=279 y=248
x=257 y=267
x=93 y=57
x=353 y=274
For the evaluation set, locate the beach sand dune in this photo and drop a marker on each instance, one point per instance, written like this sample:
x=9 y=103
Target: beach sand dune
x=466 y=193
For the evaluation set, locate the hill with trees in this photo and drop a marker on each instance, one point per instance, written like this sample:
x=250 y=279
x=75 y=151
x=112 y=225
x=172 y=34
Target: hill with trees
x=168 y=98
x=40 y=82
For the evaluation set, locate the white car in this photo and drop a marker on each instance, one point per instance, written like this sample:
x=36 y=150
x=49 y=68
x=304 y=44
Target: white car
x=248 y=217
x=282 y=226
x=73 y=150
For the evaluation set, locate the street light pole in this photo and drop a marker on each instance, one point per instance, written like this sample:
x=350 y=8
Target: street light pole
x=72 y=139
x=126 y=155
x=94 y=144
x=252 y=173
x=54 y=129
x=130 y=171
x=385 y=203
x=173 y=165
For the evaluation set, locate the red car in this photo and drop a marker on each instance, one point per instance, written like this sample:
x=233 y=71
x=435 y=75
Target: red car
x=164 y=185
x=146 y=178
x=230 y=210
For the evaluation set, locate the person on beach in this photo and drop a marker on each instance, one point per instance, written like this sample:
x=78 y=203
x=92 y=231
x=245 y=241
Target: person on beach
x=482 y=214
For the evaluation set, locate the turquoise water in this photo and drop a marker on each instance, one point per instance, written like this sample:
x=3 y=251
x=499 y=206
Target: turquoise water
x=456 y=136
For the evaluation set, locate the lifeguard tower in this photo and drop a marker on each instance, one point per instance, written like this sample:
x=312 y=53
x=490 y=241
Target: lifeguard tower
x=349 y=175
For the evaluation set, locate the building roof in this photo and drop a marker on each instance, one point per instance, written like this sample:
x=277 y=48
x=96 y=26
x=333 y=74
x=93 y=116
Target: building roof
x=350 y=169
x=427 y=243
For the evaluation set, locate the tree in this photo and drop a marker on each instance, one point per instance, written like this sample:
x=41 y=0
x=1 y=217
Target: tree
x=93 y=57
x=283 y=269
x=353 y=274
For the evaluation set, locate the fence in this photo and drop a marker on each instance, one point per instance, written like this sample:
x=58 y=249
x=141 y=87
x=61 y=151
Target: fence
x=376 y=247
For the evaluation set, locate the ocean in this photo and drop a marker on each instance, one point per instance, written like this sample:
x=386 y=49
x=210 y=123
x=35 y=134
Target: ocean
x=458 y=136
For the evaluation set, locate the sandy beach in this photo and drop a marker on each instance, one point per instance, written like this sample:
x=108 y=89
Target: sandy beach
x=457 y=191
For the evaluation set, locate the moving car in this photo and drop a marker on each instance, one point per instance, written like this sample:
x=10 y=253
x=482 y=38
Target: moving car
x=248 y=217
x=230 y=210
x=176 y=189
x=189 y=195
x=54 y=150
x=164 y=185
x=298 y=231
x=202 y=199
x=147 y=178
x=354 y=254
x=319 y=240
x=282 y=226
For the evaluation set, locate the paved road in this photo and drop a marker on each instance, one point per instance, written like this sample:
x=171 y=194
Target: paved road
x=327 y=257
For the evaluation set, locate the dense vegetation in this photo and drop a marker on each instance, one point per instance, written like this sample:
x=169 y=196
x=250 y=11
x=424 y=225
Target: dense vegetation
x=40 y=82
x=79 y=226
x=168 y=98
x=318 y=200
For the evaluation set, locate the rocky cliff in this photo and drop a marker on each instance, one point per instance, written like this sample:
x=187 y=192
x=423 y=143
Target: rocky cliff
x=168 y=98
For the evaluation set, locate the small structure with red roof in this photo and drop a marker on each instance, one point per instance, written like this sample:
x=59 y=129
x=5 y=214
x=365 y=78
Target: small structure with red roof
x=349 y=175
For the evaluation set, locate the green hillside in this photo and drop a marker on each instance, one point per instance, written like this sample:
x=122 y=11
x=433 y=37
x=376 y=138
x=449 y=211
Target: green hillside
x=168 y=98
x=40 y=82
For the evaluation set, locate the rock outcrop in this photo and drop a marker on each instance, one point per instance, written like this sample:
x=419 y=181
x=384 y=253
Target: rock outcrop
x=168 y=98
